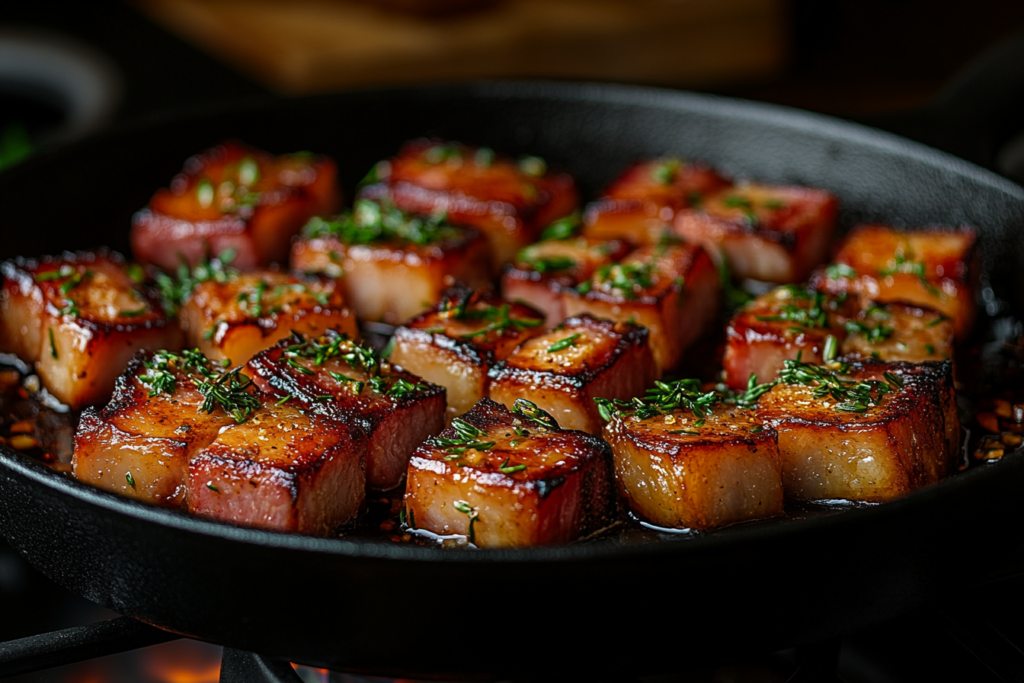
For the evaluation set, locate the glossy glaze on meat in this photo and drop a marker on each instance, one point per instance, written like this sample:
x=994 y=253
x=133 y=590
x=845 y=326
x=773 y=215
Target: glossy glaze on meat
x=251 y=311
x=641 y=204
x=900 y=441
x=392 y=265
x=542 y=271
x=682 y=470
x=347 y=382
x=139 y=444
x=898 y=332
x=933 y=268
x=770 y=233
x=505 y=480
x=509 y=201
x=564 y=370
x=234 y=197
x=78 y=318
x=457 y=342
x=671 y=289
x=282 y=470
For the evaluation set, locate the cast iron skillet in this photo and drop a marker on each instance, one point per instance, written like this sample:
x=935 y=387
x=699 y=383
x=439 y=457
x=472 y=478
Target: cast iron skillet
x=602 y=607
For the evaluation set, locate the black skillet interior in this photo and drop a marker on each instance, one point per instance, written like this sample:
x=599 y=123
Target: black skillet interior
x=605 y=607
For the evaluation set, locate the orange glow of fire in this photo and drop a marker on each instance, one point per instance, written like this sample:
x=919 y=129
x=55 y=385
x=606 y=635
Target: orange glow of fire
x=183 y=662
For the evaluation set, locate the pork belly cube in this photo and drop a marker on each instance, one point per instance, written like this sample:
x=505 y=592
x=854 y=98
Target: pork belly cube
x=509 y=479
x=347 y=382
x=641 y=204
x=935 y=269
x=868 y=431
x=783 y=324
x=672 y=290
x=770 y=233
x=564 y=370
x=139 y=444
x=282 y=470
x=234 y=197
x=237 y=317
x=893 y=332
x=457 y=342
x=392 y=265
x=542 y=271
x=79 y=318
x=506 y=200
x=696 y=472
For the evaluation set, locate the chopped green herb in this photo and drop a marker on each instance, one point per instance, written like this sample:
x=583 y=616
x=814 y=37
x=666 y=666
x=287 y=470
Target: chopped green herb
x=802 y=308
x=464 y=507
x=854 y=396
x=135 y=313
x=691 y=432
x=563 y=228
x=735 y=297
x=213 y=487
x=467 y=436
x=627 y=278
x=664 y=172
x=935 y=322
x=284 y=399
x=530 y=411
x=53 y=344
x=135 y=272
x=130 y=479
x=371 y=222
x=505 y=468
x=831 y=349
x=838 y=271
x=565 y=343
x=873 y=333
x=930 y=349
x=205 y=193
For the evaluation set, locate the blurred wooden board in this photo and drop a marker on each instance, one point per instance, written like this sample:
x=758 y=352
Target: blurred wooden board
x=302 y=46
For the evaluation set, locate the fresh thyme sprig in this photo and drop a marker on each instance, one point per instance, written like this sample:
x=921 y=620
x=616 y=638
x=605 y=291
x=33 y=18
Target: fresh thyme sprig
x=230 y=390
x=803 y=308
x=565 y=343
x=533 y=413
x=374 y=222
x=467 y=437
x=850 y=395
x=356 y=355
x=175 y=290
x=465 y=508
x=500 y=320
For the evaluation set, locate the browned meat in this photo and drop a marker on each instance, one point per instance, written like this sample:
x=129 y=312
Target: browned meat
x=347 y=382
x=79 y=318
x=282 y=470
x=869 y=431
x=671 y=289
x=564 y=370
x=771 y=233
x=893 y=332
x=244 y=313
x=233 y=197
x=460 y=339
x=509 y=479
x=140 y=443
x=509 y=202
x=936 y=269
x=640 y=206
x=542 y=271
x=390 y=263
x=685 y=460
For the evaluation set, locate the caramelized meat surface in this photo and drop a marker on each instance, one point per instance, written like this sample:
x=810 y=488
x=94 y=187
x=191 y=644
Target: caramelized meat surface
x=139 y=444
x=894 y=332
x=564 y=370
x=936 y=269
x=771 y=233
x=641 y=204
x=457 y=342
x=696 y=470
x=239 y=316
x=509 y=479
x=673 y=290
x=869 y=431
x=510 y=202
x=282 y=470
x=79 y=318
x=238 y=198
x=542 y=271
x=390 y=263
x=347 y=382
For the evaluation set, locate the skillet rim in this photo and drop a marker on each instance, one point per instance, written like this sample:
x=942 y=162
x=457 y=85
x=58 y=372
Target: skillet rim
x=720 y=107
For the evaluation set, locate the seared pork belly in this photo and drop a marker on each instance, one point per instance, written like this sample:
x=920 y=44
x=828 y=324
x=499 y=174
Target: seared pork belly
x=233 y=197
x=282 y=470
x=392 y=265
x=237 y=317
x=542 y=271
x=347 y=382
x=79 y=318
x=770 y=233
x=683 y=459
x=161 y=413
x=893 y=332
x=671 y=289
x=868 y=431
x=506 y=200
x=564 y=370
x=784 y=324
x=509 y=479
x=936 y=269
x=460 y=339
x=641 y=204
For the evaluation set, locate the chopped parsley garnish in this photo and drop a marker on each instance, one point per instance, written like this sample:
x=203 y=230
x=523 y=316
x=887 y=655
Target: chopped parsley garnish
x=565 y=343
x=371 y=222
x=533 y=413
x=850 y=395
